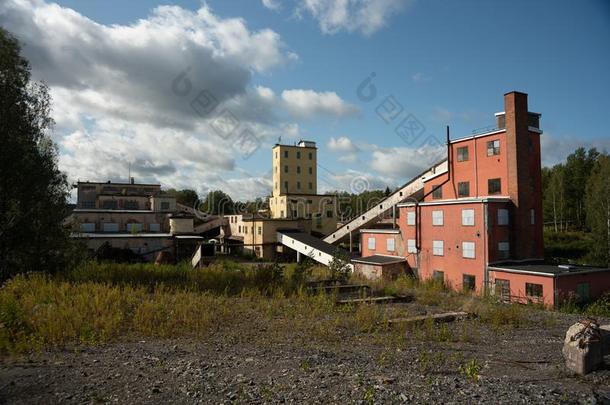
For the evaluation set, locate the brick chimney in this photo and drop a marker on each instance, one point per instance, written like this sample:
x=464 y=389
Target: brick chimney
x=524 y=178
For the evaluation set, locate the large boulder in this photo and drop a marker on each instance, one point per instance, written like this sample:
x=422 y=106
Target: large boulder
x=583 y=347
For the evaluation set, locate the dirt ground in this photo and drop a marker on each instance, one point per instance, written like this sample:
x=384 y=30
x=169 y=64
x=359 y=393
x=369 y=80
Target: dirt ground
x=467 y=362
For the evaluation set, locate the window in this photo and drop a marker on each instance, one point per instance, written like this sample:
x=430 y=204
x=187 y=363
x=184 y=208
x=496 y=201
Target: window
x=468 y=217
x=503 y=250
x=437 y=192
x=295 y=214
x=411 y=248
x=411 y=218
x=276 y=185
x=437 y=247
x=494 y=186
x=285 y=153
x=164 y=206
x=493 y=147
x=286 y=169
x=390 y=244
x=310 y=155
x=286 y=185
x=298 y=185
x=533 y=290
x=310 y=185
x=154 y=227
x=133 y=205
x=532 y=216
x=502 y=288
x=276 y=154
x=298 y=169
x=329 y=214
x=502 y=216
x=89 y=227
x=239 y=228
x=438 y=276
x=310 y=170
x=437 y=218
x=298 y=154
x=245 y=230
x=371 y=243
x=468 y=250
x=468 y=282
x=464 y=189
x=462 y=154
x=260 y=230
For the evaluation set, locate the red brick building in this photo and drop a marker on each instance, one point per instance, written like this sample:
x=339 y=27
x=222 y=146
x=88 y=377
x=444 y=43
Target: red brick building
x=480 y=220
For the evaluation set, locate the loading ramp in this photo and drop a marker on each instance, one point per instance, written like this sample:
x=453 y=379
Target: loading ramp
x=310 y=246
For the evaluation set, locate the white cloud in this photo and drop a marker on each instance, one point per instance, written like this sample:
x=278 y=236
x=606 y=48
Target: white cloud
x=402 y=164
x=308 y=103
x=364 y=16
x=555 y=149
x=420 y=77
x=137 y=94
x=342 y=144
x=271 y=4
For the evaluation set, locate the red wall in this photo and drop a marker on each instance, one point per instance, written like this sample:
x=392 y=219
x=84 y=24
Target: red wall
x=517 y=285
x=599 y=283
x=381 y=244
x=477 y=169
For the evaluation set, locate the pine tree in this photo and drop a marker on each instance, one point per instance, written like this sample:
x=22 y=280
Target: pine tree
x=598 y=209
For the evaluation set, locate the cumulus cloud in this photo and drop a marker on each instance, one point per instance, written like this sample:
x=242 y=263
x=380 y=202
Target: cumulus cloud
x=364 y=16
x=308 y=103
x=402 y=164
x=170 y=95
x=342 y=144
x=555 y=149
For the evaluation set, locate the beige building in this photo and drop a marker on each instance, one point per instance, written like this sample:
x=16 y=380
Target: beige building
x=139 y=217
x=294 y=203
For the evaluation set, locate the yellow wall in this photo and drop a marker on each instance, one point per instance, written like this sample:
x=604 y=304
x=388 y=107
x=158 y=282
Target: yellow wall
x=293 y=164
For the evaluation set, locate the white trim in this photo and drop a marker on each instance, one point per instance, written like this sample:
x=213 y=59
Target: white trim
x=425 y=179
x=399 y=259
x=459 y=201
x=467 y=137
x=534 y=273
x=500 y=113
x=534 y=129
x=392 y=231
x=102 y=235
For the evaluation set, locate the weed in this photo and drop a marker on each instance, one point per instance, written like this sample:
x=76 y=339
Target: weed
x=470 y=370
x=369 y=395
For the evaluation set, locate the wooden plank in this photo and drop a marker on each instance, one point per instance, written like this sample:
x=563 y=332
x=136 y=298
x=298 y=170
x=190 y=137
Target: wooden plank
x=376 y=300
x=444 y=317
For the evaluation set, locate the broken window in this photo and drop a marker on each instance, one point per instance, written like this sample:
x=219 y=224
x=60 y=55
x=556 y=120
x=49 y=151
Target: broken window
x=494 y=186
x=533 y=290
x=462 y=154
x=493 y=147
x=438 y=276
x=437 y=192
x=464 y=189
x=411 y=248
x=468 y=282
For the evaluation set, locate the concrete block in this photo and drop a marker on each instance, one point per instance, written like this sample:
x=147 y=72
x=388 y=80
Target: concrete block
x=582 y=347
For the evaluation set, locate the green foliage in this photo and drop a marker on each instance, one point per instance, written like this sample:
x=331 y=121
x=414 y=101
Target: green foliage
x=471 y=370
x=218 y=202
x=598 y=210
x=567 y=247
x=351 y=205
x=33 y=192
x=187 y=197
x=339 y=267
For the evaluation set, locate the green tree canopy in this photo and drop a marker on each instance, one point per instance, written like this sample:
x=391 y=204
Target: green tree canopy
x=33 y=192
x=187 y=197
x=598 y=209
x=218 y=202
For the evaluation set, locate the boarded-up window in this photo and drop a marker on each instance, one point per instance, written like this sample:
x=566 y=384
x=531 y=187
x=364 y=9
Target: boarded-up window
x=390 y=244
x=468 y=250
x=468 y=217
x=437 y=218
x=438 y=247
x=411 y=218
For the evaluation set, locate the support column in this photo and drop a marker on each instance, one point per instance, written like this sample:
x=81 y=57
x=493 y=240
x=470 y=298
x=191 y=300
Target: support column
x=350 y=242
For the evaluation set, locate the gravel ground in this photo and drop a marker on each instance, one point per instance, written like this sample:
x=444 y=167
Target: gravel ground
x=520 y=365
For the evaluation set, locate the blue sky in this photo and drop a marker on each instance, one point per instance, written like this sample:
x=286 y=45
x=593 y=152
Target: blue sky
x=446 y=63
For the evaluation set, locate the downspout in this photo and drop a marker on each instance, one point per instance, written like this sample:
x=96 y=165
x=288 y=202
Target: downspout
x=476 y=169
x=486 y=282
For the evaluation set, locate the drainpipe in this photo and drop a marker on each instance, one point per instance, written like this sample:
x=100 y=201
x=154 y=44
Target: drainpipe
x=393 y=216
x=476 y=169
x=485 y=246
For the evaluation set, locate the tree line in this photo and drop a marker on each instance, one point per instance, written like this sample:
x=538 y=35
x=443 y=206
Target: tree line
x=576 y=197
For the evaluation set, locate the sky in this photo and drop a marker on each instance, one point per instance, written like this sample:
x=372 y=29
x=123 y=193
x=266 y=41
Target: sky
x=194 y=94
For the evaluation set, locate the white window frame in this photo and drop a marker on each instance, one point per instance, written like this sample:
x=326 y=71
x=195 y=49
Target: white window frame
x=410 y=217
x=371 y=242
x=503 y=217
x=411 y=247
x=437 y=218
x=391 y=244
x=438 y=248
x=468 y=217
x=468 y=250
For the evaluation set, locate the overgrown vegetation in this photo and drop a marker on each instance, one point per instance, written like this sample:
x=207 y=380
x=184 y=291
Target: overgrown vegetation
x=101 y=302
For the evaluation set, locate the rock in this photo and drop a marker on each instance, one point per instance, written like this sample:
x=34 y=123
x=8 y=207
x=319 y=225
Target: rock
x=582 y=347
